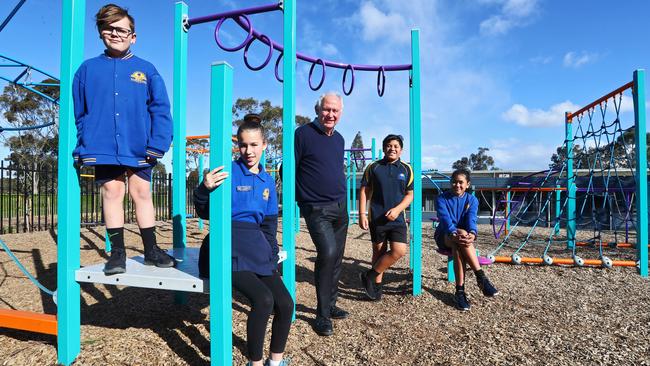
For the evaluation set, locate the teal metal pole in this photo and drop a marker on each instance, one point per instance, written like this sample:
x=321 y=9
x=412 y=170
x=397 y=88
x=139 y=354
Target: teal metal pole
x=411 y=253
x=69 y=205
x=221 y=217
x=179 y=113
x=571 y=186
x=107 y=241
x=347 y=183
x=508 y=199
x=200 y=180
x=355 y=218
x=179 y=213
x=558 y=208
x=288 y=154
x=416 y=147
x=373 y=146
x=641 y=171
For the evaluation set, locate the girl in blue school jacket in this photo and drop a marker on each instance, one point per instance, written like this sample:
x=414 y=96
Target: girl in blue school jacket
x=254 y=244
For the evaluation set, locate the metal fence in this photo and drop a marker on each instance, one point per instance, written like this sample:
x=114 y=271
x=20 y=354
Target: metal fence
x=28 y=199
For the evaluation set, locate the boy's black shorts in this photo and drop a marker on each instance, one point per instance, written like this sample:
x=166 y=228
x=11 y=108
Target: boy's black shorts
x=394 y=233
x=106 y=173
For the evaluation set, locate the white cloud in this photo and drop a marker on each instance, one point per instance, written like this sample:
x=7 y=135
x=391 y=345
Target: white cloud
x=544 y=60
x=380 y=25
x=554 y=116
x=575 y=59
x=513 y=13
x=513 y=153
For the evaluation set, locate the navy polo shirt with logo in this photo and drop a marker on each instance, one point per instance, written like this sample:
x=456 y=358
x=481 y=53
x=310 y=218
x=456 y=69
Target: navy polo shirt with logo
x=388 y=183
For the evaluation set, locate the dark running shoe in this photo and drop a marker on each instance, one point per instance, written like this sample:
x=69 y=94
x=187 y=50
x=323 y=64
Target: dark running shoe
x=323 y=326
x=461 y=301
x=338 y=313
x=116 y=262
x=158 y=257
x=487 y=288
x=368 y=286
x=379 y=287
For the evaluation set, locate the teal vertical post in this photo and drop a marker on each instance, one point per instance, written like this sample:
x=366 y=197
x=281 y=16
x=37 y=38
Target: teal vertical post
x=288 y=154
x=571 y=185
x=354 y=191
x=558 y=208
x=347 y=183
x=107 y=240
x=179 y=185
x=179 y=114
x=416 y=147
x=641 y=171
x=200 y=179
x=220 y=217
x=373 y=146
x=410 y=238
x=69 y=205
x=507 y=218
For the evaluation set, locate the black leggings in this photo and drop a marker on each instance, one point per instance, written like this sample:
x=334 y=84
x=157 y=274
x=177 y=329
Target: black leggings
x=266 y=294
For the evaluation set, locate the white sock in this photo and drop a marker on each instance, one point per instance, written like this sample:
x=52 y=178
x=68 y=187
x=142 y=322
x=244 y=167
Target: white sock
x=274 y=363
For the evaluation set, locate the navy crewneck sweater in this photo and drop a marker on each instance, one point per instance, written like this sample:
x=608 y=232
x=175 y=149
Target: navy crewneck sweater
x=320 y=176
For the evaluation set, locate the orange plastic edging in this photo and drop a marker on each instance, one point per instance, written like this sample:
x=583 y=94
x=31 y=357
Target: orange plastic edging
x=26 y=320
x=566 y=261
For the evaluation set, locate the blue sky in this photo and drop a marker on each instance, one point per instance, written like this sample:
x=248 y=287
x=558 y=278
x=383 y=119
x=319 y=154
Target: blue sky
x=495 y=73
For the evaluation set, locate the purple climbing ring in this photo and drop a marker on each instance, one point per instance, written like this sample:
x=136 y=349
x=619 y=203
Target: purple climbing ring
x=381 y=81
x=238 y=47
x=264 y=39
x=311 y=71
x=345 y=75
x=277 y=67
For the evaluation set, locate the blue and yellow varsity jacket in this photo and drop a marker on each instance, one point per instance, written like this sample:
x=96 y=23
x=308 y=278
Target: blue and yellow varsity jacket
x=121 y=111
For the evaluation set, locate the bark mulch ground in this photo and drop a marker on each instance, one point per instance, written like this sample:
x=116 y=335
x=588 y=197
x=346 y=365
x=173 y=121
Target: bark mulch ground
x=543 y=315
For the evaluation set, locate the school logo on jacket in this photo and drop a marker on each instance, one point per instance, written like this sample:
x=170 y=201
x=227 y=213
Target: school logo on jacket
x=266 y=194
x=139 y=77
x=401 y=176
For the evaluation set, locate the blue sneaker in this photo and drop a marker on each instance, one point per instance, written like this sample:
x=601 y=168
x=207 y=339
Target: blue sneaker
x=461 y=301
x=284 y=362
x=487 y=287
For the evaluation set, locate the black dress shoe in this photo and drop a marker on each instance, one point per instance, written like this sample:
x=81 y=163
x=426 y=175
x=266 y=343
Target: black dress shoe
x=323 y=326
x=338 y=313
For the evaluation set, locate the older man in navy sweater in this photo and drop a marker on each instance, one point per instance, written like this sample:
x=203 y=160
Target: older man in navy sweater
x=320 y=192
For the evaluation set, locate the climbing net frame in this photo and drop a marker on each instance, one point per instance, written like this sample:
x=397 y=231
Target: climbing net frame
x=601 y=188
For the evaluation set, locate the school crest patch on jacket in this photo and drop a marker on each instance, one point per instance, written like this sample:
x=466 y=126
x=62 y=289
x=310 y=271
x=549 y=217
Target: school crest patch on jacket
x=266 y=194
x=139 y=77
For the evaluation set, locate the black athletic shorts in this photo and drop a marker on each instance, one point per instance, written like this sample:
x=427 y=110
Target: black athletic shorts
x=106 y=173
x=394 y=233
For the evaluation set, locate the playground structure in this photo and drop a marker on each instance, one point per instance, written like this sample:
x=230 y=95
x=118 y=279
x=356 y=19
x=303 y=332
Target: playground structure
x=607 y=202
x=68 y=326
x=352 y=157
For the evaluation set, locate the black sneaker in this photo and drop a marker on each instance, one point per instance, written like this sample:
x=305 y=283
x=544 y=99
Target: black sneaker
x=158 y=257
x=461 y=301
x=338 y=313
x=380 y=290
x=323 y=326
x=487 y=287
x=116 y=262
x=368 y=285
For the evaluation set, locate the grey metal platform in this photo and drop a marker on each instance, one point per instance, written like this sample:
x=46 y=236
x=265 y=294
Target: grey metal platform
x=183 y=277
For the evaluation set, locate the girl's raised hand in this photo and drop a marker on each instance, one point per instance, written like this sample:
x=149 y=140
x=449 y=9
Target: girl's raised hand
x=214 y=178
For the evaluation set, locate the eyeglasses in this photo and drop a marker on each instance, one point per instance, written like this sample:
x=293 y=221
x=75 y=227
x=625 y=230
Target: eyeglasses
x=121 y=32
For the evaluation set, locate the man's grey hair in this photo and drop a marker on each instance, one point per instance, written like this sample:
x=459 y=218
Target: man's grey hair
x=319 y=102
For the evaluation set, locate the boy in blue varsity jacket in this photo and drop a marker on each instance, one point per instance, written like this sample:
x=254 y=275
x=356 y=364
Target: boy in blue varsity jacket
x=123 y=126
x=457 y=213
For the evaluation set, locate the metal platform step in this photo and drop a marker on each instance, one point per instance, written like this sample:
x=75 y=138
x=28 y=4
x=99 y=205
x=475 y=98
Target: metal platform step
x=183 y=277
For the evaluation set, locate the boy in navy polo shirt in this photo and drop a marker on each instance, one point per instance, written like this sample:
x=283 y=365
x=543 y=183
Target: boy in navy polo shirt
x=388 y=184
x=254 y=244
x=123 y=126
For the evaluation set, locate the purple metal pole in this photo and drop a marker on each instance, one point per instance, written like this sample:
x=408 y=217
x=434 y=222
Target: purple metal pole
x=234 y=13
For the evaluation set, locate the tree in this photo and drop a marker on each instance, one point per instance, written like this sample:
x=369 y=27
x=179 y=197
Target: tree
x=478 y=161
x=620 y=153
x=271 y=120
x=358 y=157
